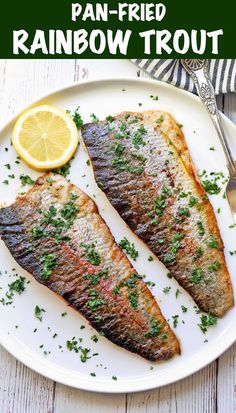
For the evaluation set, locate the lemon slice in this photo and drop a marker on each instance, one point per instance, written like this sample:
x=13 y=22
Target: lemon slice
x=45 y=137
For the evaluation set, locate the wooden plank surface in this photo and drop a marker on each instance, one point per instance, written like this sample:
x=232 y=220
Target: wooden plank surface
x=212 y=390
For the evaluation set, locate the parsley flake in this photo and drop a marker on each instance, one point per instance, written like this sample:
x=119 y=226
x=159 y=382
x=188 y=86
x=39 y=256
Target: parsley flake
x=207 y=321
x=91 y=254
x=38 y=312
x=129 y=248
x=26 y=180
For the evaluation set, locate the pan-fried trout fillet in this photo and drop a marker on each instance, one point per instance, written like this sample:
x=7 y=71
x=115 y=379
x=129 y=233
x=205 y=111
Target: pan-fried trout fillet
x=55 y=233
x=142 y=163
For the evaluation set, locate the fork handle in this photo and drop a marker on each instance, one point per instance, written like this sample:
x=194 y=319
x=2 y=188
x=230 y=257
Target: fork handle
x=201 y=78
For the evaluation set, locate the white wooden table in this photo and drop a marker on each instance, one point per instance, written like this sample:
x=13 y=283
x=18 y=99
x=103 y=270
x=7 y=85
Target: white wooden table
x=212 y=390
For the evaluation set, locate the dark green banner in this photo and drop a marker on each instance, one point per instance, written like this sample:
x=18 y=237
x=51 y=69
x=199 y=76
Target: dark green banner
x=112 y=29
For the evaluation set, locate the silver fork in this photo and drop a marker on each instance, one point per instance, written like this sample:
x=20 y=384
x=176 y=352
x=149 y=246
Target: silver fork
x=198 y=69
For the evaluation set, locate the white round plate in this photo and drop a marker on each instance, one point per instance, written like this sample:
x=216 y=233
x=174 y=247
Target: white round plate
x=17 y=321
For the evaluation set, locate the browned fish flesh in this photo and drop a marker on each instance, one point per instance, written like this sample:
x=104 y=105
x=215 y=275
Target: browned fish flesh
x=142 y=163
x=55 y=233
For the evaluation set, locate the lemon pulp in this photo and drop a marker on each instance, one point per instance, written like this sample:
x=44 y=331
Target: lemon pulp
x=45 y=137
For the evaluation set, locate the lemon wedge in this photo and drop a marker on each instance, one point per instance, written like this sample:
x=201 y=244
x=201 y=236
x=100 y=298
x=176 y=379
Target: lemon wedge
x=45 y=137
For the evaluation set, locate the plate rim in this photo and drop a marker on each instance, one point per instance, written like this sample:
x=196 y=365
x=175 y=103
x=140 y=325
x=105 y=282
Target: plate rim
x=39 y=365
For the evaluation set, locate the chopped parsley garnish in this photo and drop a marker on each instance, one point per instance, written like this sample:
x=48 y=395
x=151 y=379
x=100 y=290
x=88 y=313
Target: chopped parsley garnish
x=138 y=137
x=118 y=148
x=109 y=118
x=76 y=118
x=93 y=374
x=63 y=170
x=166 y=289
x=160 y=205
x=201 y=230
x=94 y=118
x=155 y=329
x=49 y=262
x=114 y=378
x=175 y=244
x=73 y=345
x=175 y=320
x=94 y=301
x=37 y=232
x=91 y=254
x=123 y=126
x=26 y=180
x=133 y=298
x=17 y=285
x=121 y=163
x=177 y=293
x=64 y=314
x=184 y=212
x=207 y=321
x=164 y=336
x=150 y=258
x=216 y=265
x=130 y=283
x=211 y=187
x=182 y=195
x=232 y=226
x=150 y=283
x=160 y=201
x=166 y=190
x=212 y=242
x=160 y=120
x=94 y=279
x=154 y=97
x=129 y=248
x=192 y=201
x=138 y=141
x=199 y=253
x=94 y=338
x=63 y=222
x=49 y=215
x=184 y=309
x=84 y=354
x=38 y=312
x=196 y=275
x=169 y=257
x=69 y=210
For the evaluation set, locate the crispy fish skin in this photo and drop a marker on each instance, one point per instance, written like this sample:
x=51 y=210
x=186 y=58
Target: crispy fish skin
x=55 y=233
x=142 y=163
